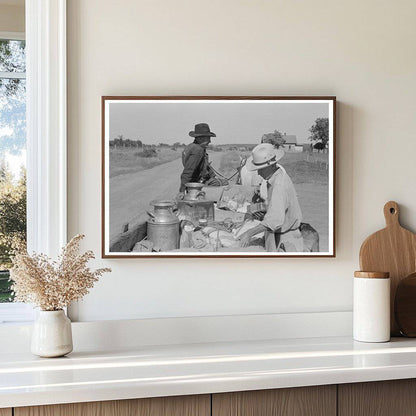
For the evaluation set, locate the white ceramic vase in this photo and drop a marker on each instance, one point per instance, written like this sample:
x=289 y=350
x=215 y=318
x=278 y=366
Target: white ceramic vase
x=52 y=334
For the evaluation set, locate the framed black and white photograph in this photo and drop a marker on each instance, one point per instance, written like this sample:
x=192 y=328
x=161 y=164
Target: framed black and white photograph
x=218 y=177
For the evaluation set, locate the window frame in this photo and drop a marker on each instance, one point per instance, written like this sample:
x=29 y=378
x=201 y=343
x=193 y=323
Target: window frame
x=14 y=312
x=12 y=35
x=46 y=140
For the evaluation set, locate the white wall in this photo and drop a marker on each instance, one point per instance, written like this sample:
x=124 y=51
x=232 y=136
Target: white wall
x=361 y=51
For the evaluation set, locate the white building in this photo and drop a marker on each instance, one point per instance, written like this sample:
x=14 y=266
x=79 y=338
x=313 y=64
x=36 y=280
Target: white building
x=291 y=143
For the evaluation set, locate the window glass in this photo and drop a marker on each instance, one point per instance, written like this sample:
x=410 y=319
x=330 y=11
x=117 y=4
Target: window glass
x=12 y=55
x=12 y=155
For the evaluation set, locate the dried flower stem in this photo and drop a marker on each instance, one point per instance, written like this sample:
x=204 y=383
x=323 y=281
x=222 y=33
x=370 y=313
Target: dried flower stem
x=53 y=285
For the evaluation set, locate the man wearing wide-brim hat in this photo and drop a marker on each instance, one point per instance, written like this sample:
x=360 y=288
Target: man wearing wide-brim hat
x=196 y=167
x=281 y=223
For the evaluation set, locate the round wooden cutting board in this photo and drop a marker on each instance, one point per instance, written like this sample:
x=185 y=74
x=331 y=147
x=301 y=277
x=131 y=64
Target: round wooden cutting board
x=392 y=250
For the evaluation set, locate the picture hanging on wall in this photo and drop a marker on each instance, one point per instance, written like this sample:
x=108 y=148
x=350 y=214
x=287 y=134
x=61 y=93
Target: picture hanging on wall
x=218 y=176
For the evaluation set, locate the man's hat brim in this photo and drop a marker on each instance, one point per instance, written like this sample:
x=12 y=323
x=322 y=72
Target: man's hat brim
x=279 y=154
x=207 y=134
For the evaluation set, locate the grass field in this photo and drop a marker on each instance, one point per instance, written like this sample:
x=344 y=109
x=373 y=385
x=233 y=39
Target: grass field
x=129 y=160
x=306 y=168
x=302 y=167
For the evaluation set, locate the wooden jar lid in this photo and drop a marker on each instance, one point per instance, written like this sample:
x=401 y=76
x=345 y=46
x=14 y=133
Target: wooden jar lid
x=372 y=275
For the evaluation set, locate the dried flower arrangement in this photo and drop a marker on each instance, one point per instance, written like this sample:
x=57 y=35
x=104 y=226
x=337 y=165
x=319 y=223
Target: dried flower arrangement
x=52 y=285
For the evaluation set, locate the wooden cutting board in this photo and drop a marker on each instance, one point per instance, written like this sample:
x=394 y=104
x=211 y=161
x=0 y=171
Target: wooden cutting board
x=392 y=250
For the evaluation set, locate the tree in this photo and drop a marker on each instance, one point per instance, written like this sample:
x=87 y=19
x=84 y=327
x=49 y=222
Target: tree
x=12 y=141
x=319 y=146
x=12 y=56
x=275 y=138
x=12 y=97
x=118 y=142
x=12 y=212
x=320 y=131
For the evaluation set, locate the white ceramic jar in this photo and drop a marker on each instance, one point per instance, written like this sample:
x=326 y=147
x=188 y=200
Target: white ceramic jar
x=52 y=334
x=371 y=307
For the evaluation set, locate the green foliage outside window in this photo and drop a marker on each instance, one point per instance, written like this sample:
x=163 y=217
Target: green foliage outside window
x=12 y=223
x=12 y=144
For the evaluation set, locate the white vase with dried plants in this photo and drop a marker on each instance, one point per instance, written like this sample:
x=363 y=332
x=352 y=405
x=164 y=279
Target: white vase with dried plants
x=51 y=286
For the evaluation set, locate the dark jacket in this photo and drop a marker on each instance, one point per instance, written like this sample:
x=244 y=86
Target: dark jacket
x=195 y=165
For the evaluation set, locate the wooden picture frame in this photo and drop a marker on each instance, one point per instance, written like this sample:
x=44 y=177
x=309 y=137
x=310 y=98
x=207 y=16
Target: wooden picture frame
x=143 y=138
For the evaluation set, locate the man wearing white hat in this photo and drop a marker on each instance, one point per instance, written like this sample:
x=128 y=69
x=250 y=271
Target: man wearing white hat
x=283 y=217
x=252 y=178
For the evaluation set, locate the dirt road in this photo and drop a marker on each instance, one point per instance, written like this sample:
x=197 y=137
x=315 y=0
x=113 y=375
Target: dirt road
x=131 y=194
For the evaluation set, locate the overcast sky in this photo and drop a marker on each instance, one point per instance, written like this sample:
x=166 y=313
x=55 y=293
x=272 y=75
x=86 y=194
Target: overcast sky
x=232 y=122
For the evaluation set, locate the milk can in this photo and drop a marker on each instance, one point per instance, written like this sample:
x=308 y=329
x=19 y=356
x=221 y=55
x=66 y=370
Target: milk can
x=163 y=226
x=193 y=205
x=193 y=191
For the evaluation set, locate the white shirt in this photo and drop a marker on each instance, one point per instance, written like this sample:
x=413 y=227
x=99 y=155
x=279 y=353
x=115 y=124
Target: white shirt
x=283 y=210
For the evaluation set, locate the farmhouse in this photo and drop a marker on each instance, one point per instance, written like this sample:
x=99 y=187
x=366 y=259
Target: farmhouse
x=291 y=143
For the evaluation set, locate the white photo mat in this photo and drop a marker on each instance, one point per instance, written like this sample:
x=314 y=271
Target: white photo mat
x=162 y=123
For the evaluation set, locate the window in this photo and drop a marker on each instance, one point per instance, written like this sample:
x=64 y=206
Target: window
x=45 y=125
x=12 y=154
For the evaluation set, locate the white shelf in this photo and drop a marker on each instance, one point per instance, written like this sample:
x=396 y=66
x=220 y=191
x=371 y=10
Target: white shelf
x=148 y=371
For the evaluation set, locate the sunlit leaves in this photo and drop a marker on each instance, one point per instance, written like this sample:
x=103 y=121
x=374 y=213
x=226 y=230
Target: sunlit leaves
x=12 y=213
x=12 y=98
